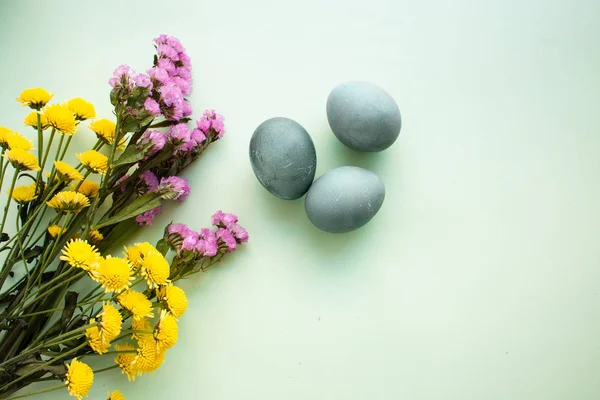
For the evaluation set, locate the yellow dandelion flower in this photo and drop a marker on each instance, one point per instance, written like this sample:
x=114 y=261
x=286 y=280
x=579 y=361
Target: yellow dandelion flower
x=94 y=161
x=35 y=98
x=4 y=133
x=68 y=201
x=110 y=322
x=174 y=298
x=95 y=341
x=136 y=253
x=126 y=361
x=149 y=356
x=80 y=254
x=24 y=194
x=167 y=331
x=88 y=188
x=67 y=172
x=81 y=108
x=136 y=303
x=31 y=120
x=104 y=129
x=61 y=118
x=79 y=379
x=95 y=236
x=116 y=395
x=142 y=324
x=155 y=268
x=55 y=230
x=22 y=160
x=113 y=273
x=15 y=140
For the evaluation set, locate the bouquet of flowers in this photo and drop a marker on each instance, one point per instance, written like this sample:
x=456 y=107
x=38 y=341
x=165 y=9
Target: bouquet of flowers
x=63 y=296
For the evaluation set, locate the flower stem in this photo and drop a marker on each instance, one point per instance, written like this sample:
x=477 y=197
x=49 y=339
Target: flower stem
x=106 y=369
x=47 y=149
x=65 y=149
x=10 y=192
x=39 y=392
x=40 y=138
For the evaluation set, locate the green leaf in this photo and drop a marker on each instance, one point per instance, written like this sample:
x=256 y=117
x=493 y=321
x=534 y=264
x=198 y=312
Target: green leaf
x=140 y=205
x=69 y=309
x=162 y=246
x=130 y=155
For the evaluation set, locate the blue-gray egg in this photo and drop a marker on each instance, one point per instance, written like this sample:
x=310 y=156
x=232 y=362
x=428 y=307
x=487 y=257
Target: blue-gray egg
x=363 y=116
x=344 y=199
x=283 y=157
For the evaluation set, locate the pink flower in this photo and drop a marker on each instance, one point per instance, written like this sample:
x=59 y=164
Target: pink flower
x=198 y=136
x=147 y=217
x=178 y=134
x=156 y=139
x=239 y=232
x=152 y=106
x=179 y=229
x=223 y=220
x=174 y=188
x=203 y=124
x=161 y=39
x=184 y=73
x=149 y=180
x=143 y=80
x=182 y=84
x=207 y=245
x=120 y=73
x=218 y=126
x=164 y=50
x=190 y=241
x=175 y=44
x=226 y=237
x=171 y=94
x=174 y=113
x=168 y=66
x=159 y=74
x=186 y=107
x=185 y=60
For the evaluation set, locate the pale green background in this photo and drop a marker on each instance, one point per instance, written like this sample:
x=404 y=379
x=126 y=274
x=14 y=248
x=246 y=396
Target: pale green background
x=480 y=276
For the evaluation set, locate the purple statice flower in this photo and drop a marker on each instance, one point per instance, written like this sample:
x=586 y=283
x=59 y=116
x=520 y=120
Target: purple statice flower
x=185 y=86
x=197 y=137
x=239 y=232
x=120 y=73
x=212 y=120
x=186 y=107
x=179 y=229
x=203 y=124
x=223 y=220
x=166 y=51
x=227 y=238
x=152 y=106
x=190 y=241
x=171 y=94
x=178 y=134
x=147 y=217
x=162 y=38
x=174 y=188
x=159 y=75
x=208 y=244
x=168 y=66
x=185 y=60
x=184 y=73
x=143 y=80
x=149 y=180
x=156 y=139
x=174 y=113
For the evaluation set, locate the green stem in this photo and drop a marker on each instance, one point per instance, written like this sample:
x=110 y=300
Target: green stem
x=40 y=138
x=10 y=192
x=96 y=371
x=85 y=176
x=47 y=149
x=50 y=389
x=66 y=147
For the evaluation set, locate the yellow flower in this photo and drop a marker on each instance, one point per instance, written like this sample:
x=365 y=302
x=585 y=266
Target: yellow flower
x=110 y=322
x=104 y=129
x=95 y=341
x=55 y=230
x=35 y=98
x=61 y=118
x=68 y=201
x=136 y=253
x=94 y=161
x=155 y=268
x=67 y=172
x=17 y=141
x=136 y=303
x=95 y=236
x=24 y=194
x=4 y=133
x=22 y=160
x=142 y=324
x=116 y=395
x=113 y=273
x=79 y=379
x=80 y=254
x=88 y=188
x=31 y=120
x=81 y=108
x=126 y=361
x=174 y=298
x=149 y=356
x=167 y=331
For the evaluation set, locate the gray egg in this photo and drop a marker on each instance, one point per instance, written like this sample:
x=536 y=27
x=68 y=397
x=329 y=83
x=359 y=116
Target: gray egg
x=344 y=199
x=363 y=116
x=283 y=157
